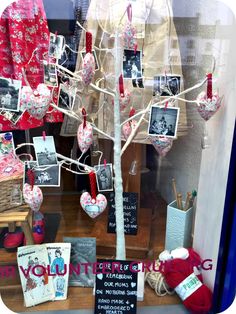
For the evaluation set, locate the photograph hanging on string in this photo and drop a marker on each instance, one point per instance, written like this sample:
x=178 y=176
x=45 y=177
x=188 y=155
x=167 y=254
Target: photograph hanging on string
x=12 y=116
x=104 y=177
x=45 y=150
x=56 y=46
x=132 y=67
x=166 y=85
x=83 y=53
x=10 y=91
x=66 y=99
x=49 y=176
x=50 y=74
x=163 y=121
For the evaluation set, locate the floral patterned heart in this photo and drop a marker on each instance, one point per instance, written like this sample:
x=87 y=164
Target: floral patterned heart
x=128 y=36
x=161 y=144
x=128 y=127
x=36 y=102
x=85 y=136
x=88 y=68
x=91 y=206
x=33 y=196
x=208 y=107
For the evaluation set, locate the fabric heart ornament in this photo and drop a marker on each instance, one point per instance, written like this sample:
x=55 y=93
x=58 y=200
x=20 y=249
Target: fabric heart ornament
x=208 y=102
x=93 y=207
x=33 y=196
x=128 y=128
x=36 y=102
x=85 y=136
x=124 y=100
x=129 y=32
x=208 y=106
x=88 y=65
x=161 y=144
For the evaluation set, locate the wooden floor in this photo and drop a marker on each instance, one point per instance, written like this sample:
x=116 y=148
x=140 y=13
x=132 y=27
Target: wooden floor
x=76 y=223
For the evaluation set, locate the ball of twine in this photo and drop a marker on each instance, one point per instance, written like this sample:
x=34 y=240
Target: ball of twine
x=157 y=281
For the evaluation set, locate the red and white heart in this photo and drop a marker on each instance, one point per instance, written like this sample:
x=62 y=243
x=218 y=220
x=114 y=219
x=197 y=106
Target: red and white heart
x=93 y=207
x=33 y=196
x=36 y=102
x=85 y=136
x=208 y=107
x=161 y=144
x=88 y=68
x=128 y=127
x=129 y=33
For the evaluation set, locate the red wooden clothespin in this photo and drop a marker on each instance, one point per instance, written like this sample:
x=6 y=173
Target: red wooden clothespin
x=132 y=112
x=121 y=85
x=44 y=135
x=105 y=163
x=56 y=34
x=166 y=105
x=84 y=117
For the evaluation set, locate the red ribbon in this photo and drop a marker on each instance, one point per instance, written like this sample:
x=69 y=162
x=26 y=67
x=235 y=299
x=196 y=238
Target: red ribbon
x=89 y=42
x=121 y=85
x=132 y=112
x=209 y=85
x=129 y=12
x=84 y=116
x=44 y=135
x=31 y=177
x=93 y=185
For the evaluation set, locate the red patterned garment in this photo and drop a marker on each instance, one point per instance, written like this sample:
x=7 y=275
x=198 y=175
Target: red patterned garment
x=23 y=28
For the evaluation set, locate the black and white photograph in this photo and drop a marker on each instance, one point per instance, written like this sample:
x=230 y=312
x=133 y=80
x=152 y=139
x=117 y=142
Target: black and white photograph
x=132 y=67
x=163 y=121
x=10 y=94
x=14 y=117
x=166 y=85
x=83 y=53
x=104 y=177
x=50 y=74
x=44 y=176
x=56 y=46
x=66 y=99
x=45 y=150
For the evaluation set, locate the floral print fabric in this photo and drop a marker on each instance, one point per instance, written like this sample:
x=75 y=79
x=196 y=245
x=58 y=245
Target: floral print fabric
x=23 y=28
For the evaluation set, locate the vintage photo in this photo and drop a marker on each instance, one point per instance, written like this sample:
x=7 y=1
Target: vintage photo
x=66 y=97
x=163 y=121
x=132 y=67
x=44 y=176
x=10 y=94
x=50 y=74
x=12 y=116
x=104 y=177
x=45 y=150
x=83 y=53
x=166 y=85
x=56 y=46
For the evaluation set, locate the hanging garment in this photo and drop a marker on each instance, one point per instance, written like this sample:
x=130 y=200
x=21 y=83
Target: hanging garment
x=23 y=28
x=155 y=30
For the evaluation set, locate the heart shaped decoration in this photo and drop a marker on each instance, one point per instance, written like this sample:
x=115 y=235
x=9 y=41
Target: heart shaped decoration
x=124 y=100
x=85 y=136
x=128 y=36
x=208 y=107
x=161 y=144
x=91 y=206
x=128 y=127
x=33 y=196
x=88 y=68
x=36 y=102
